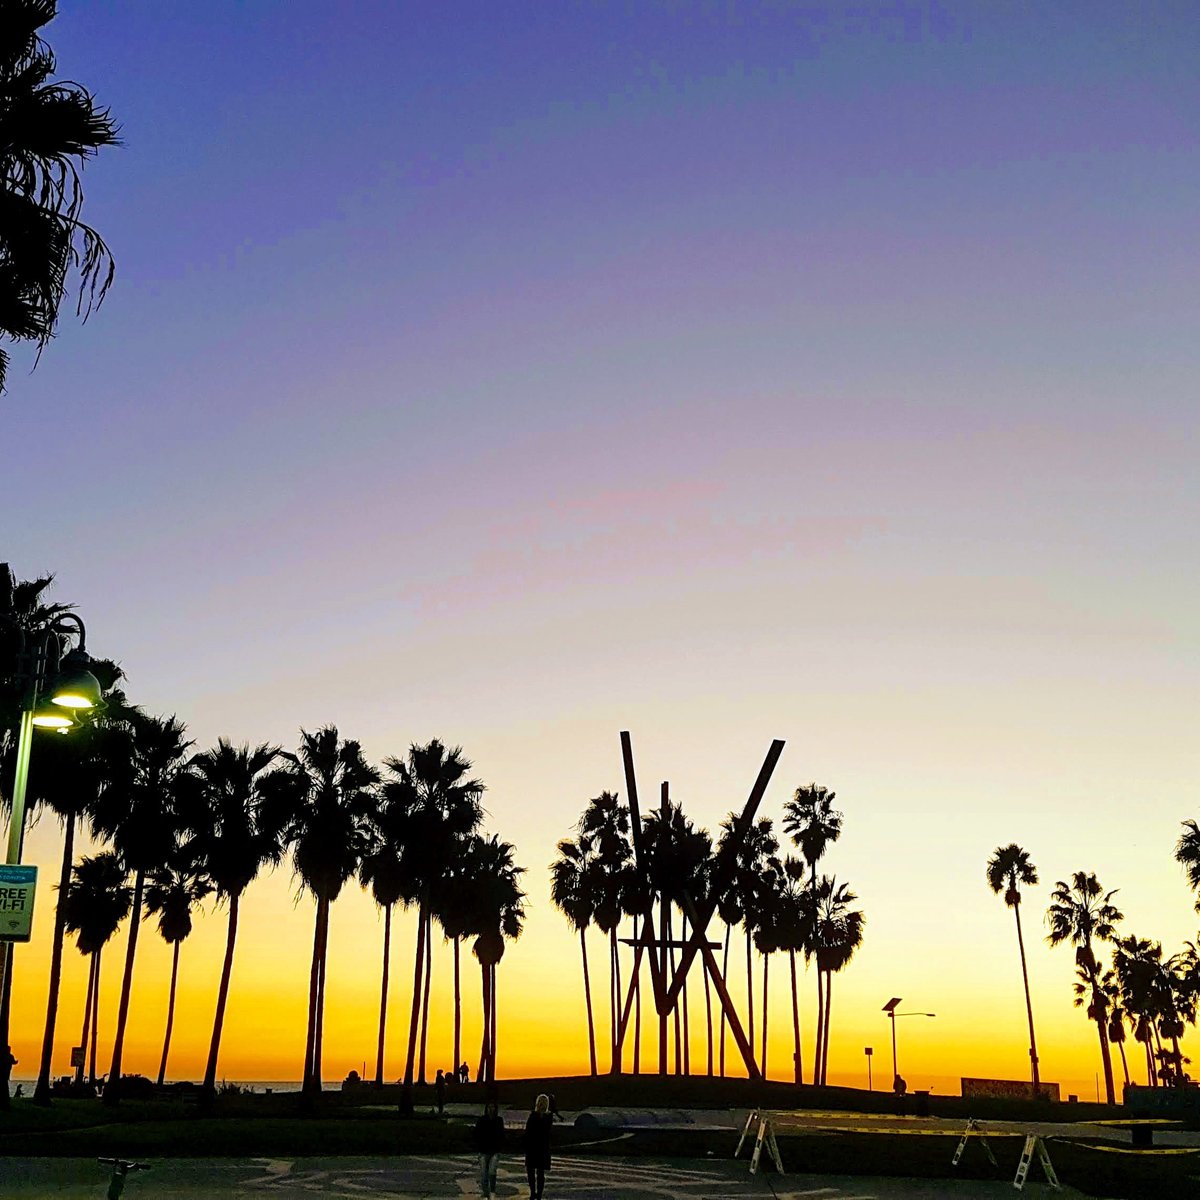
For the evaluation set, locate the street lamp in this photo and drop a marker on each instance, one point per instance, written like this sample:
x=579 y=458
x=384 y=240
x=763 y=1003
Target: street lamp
x=890 y=1008
x=54 y=693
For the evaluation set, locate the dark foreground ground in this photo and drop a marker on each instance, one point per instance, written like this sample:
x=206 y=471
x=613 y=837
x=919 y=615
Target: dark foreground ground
x=669 y=1138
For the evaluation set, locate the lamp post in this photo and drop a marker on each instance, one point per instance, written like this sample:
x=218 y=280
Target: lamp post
x=890 y=1008
x=69 y=688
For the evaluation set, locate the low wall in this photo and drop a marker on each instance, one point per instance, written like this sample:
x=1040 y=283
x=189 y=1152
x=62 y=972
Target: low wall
x=1006 y=1089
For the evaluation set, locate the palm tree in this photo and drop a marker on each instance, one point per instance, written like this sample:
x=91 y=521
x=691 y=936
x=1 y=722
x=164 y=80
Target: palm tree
x=606 y=822
x=138 y=811
x=759 y=846
x=382 y=870
x=1007 y=869
x=325 y=793
x=813 y=824
x=70 y=775
x=498 y=914
x=234 y=833
x=50 y=129
x=98 y=900
x=571 y=877
x=1080 y=912
x=172 y=892
x=794 y=926
x=769 y=902
x=837 y=934
x=1187 y=854
x=1137 y=963
x=444 y=809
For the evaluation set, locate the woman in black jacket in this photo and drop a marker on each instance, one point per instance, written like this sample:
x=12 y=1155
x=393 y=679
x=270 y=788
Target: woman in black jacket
x=489 y=1141
x=537 y=1146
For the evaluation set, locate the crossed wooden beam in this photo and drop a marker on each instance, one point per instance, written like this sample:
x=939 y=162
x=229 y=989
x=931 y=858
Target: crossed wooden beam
x=666 y=992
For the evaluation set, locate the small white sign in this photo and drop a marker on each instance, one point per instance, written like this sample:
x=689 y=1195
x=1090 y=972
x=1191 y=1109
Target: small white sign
x=17 y=887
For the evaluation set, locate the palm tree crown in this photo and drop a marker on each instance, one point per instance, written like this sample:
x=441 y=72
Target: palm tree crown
x=1009 y=868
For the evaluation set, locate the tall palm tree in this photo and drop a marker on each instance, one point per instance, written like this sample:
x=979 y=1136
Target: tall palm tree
x=98 y=900
x=837 y=935
x=571 y=878
x=234 y=833
x=137 y=810
x=498 y=914
x=769 y=902
x=794 y=926
x=171 y=893
x=759 y=845
x=606 y=822
x=1138 y=965
x=1082 y=912
x=444 y=807
x=325 y=797
x=382 y=870
x=51 y=127
x=70 y=775
x=813 y=824
x=1009 y=867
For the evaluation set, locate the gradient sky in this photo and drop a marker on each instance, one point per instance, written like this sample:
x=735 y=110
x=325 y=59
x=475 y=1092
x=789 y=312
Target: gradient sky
x=518 y=373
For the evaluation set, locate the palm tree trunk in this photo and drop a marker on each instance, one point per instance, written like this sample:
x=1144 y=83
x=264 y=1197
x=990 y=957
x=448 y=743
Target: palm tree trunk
x=481 y=1074
x=725 y=977
x=494 y=1007
x=457 y=1007
x=383 y=996
x=319 y=1031
x=87 y=1015
x=708 y=1015
x=425 y=998
x=95 y=1021
x=1124 y=1062
x=1101 y=1010
x=615 y=951
x=214 y=1046
x=820 y=1039
x=1033 y=1055
x=825 y=1038
x=637 y=1006
x=112 y=1089
x=162 y=1065
x=797 y=1069
x=587 y=999
x=668 y=979
x=415 y=1016
x=41 y=1094
x=766 y=969
x=687 y=1025
x=661 y=948
x=749 y=988
x=314 y=982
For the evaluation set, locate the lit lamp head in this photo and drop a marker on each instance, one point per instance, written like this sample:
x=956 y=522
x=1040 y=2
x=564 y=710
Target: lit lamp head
x=51 y=716
x=76 y=686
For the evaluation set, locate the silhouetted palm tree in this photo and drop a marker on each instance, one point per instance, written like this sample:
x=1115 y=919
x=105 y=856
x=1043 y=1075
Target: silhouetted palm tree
x=571 y=878
x=837 y=935
x=606 y=823
x=50 y=128
x=444 y=807
x=233 y=833
x=1187 y=854
x=383 y=871
x=1082 y=912
x=794 y=926
x=1138 y=965
x=769 y=902
x=98 y=900
x=326 y=792
x=70 y=775
x=498 y=914
x=171 y=892
x=1009 y=867
x=137 y=810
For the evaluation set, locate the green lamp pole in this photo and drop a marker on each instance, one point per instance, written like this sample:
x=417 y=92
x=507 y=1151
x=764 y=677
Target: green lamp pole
x=73 y=688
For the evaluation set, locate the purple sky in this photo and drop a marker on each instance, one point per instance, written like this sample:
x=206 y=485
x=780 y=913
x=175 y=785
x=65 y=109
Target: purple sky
x=725 y=371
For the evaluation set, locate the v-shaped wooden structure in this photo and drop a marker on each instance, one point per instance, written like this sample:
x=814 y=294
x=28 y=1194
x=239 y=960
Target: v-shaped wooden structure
x=668 y=980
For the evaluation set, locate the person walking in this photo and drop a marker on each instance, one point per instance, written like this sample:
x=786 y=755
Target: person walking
x=537 y=1146
x=439 y=1091
x=489 y=1141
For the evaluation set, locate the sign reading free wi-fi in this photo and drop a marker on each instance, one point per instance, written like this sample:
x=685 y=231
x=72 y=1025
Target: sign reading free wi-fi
x=17 y=887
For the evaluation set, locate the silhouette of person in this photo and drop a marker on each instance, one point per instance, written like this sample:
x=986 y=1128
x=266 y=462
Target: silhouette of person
x=537 y=1146
x=464 y=1073
x=900 y=1087
x=489 y=1141
x=439 y=1090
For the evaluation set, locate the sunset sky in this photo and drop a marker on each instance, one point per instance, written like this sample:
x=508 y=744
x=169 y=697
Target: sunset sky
x=517 y=374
